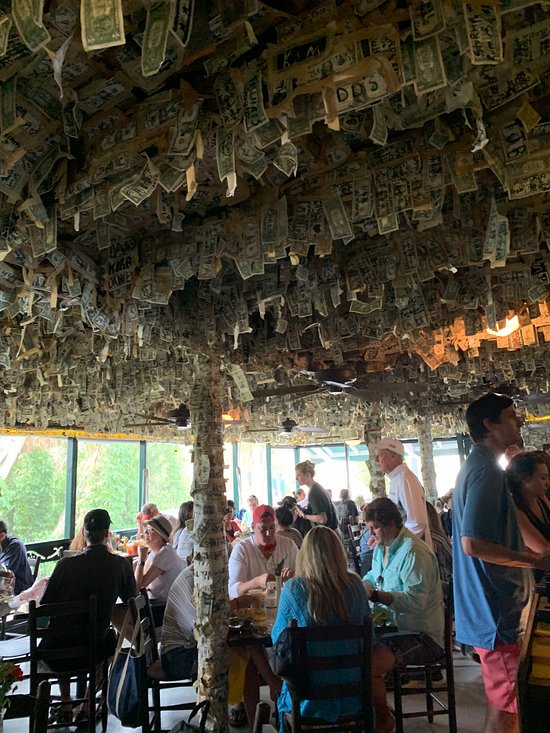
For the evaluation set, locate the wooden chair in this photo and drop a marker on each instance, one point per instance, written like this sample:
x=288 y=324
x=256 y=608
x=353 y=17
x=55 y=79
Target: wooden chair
x=34 y=561
x=432 y=694
x=354 y=532
x=157 y=680
x=34 y=708
x=308 y=665
x=75 y=654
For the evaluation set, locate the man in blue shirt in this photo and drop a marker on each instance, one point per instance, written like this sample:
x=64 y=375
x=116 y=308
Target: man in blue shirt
x=490 y=562
x=13 y=554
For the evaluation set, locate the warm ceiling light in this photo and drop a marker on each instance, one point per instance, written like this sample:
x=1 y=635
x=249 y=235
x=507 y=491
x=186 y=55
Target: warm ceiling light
x=512 y=324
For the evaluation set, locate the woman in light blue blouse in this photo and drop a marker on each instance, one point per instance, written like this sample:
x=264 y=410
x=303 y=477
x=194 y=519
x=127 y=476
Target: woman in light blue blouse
x=325 y=592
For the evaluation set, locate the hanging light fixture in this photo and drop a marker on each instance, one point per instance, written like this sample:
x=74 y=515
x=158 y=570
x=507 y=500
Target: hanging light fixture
x=511 y=325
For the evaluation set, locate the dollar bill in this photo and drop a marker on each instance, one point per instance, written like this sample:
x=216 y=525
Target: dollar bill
x=239 y=377
x=483 y=27
x=430 y=72
x=7 y=104
x=157 y=26
x=337 y=219
x=102 y=24
x=529 y=47
x=225 y=157
x=184 y=134
x=27 y=15
x=379 y=131
x=286 y=159
x=387 y=224
x=254 y=112
x=426 y=18
x=171 y=179
x=229 y=100
x=103 y=94
x=528 y=177
x=363 y=199
x=514 y=140
x=502 y=91
x=267 y=134
x=183 y=20
x=5 y=27
x=253 y=161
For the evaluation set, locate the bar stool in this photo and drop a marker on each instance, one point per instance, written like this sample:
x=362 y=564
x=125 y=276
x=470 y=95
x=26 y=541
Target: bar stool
x=443 y=666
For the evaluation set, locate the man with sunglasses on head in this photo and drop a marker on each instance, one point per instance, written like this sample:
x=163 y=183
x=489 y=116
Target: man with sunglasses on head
x=254 y=560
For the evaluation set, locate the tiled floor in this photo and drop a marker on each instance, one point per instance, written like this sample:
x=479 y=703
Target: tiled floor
x=469 y=694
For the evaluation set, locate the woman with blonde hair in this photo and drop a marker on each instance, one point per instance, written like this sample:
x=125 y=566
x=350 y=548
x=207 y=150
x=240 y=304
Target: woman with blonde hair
x=325 y=592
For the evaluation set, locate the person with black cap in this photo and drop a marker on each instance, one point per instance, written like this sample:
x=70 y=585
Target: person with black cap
x=158 y=563
x=95 y=571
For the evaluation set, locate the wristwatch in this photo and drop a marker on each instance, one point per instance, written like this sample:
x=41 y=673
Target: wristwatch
x=142 y=563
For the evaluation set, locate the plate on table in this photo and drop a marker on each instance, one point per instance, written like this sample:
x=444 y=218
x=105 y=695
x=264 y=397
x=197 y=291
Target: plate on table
x=238 y=624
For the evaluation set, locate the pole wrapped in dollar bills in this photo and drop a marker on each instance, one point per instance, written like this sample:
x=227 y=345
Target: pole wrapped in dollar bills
x=426 y=448
x=372 y=432
x=211 y=578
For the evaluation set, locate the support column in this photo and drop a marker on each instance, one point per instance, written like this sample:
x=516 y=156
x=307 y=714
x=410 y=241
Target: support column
x=70 y=487
x=211 y=579
x=426 y=448
x=372 y=436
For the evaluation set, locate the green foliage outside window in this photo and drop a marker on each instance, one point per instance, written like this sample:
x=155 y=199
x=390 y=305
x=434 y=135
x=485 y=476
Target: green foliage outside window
x=108 y=478
x=33 y=484
x=170 y=474
x=32 y=499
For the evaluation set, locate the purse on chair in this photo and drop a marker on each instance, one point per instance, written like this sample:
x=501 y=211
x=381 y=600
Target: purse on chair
x=287 y=660
x=127 y=697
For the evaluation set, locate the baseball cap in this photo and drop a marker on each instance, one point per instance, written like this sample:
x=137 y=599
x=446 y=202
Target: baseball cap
x=160 y=524
x=97 y=519
x=396 y=446
x=261 y=512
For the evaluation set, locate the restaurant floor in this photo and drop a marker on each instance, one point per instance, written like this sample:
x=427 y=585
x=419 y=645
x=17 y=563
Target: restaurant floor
x=469 y=694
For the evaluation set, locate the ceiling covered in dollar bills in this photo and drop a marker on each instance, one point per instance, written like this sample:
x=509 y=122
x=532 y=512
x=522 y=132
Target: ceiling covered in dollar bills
x=289 y=186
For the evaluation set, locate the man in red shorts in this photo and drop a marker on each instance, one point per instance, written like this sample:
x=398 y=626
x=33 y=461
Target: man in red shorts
x=491 y=567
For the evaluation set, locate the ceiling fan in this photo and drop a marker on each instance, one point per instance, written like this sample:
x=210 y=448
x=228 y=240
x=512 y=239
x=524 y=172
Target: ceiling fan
x=288 y=426
x=341 y=380
x=178 y=417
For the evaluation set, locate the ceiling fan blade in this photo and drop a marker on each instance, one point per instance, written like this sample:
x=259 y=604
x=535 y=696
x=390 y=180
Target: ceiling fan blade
x=338 y=376
x=260 y=430
x=159 y=419
x=281 y=391
x=147 y=424
x=318 y=390
x=363 y=394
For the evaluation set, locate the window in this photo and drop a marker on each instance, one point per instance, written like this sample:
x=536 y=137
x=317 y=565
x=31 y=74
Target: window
x=446 y=462
x=32 y=486
x=108 y=478
x=170 y=469
x=330 y=466
x=228 y=470
x=283 y=478
x=253 y=472
x=359 y=474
